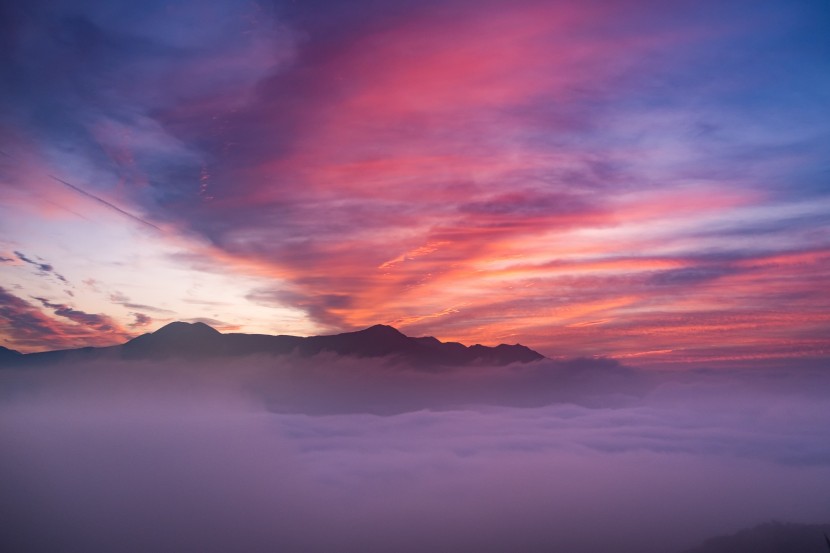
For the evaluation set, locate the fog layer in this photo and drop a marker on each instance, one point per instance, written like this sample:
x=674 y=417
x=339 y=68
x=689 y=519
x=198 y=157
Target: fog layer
x=330 y=454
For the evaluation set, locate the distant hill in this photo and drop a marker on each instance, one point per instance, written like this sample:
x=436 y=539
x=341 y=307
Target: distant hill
x=198 y=340
x=773 y=537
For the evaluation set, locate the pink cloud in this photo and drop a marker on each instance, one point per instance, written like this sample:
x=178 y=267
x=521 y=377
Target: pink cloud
x=27 y=328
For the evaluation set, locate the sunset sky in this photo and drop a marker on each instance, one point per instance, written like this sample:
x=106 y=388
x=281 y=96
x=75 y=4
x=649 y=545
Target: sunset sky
x=638 y=179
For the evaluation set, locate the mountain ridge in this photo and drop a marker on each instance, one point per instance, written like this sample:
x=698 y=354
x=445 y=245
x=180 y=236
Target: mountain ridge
x=198 y=340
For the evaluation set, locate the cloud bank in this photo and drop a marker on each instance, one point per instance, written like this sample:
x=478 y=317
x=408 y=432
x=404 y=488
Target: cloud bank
x=329 y=454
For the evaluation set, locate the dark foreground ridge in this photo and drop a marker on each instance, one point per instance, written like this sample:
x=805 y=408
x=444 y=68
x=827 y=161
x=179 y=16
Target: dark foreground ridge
x=772 y=537
x=198 y=340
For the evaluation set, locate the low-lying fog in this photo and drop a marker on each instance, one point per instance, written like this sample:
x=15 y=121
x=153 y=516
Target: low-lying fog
x=341 y=455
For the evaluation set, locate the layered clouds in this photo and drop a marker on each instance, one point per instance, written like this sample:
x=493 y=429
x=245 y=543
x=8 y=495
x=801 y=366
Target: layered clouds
x=337 y=454
x=633 y=179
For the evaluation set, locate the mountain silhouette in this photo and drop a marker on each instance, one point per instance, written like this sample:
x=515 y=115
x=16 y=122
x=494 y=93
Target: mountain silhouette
x=7 y=354
x=176 y=338
x=772 y=537
x=198 y=340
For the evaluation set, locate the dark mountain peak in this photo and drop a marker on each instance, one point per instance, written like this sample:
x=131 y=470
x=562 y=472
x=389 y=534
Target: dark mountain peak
x=375 y=341
x=518 y=352
x=177 y=338
x=381 y=331
x=181 y=329
x=504 y=353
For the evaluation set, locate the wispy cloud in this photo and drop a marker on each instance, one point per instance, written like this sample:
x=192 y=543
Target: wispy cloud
x=104 y=202
x=27 y=328
x=43 y=268
x=215 y=323
x=141 y=320
x=94 y=321
x=121 y=299
x=557 y=173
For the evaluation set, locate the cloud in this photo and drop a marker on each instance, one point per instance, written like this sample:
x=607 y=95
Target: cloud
x=121 y=299
x=92 y=284
x=43 y=268
x=215 y=323
x=211 y=459
x=29 y=329
x=451 y=138
x=141 y=320
x=530 y=168
x=97 y=322
x=110 y=205
x=23 y=323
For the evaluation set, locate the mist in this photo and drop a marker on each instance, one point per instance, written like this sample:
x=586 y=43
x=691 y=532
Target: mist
x=338 y=454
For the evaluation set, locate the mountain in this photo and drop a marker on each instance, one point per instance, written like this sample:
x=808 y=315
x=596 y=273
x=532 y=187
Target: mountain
x=772 y=537
x=189 y=339
x=198 y=340
x=10 y=355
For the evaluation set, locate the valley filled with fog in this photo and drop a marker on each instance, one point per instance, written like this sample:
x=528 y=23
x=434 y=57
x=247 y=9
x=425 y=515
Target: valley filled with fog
x=333 y=453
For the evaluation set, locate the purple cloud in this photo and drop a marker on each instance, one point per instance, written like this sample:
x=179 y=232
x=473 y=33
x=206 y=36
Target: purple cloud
x=141 y=320
x=43 y=268
x=29 y=328
x=212 y=460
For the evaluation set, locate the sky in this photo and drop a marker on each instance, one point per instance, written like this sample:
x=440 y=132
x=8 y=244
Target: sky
x=644 y=180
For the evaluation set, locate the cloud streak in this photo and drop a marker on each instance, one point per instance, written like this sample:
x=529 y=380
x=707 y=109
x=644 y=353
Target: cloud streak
x=103 y=202
x=24 y=326
x=43 y=268
x=95 y=322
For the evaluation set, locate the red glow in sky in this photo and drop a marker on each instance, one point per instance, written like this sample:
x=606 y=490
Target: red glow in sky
x=636 y=179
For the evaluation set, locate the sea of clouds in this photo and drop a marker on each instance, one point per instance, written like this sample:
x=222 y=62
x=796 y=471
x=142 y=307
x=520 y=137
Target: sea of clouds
x=339 y=455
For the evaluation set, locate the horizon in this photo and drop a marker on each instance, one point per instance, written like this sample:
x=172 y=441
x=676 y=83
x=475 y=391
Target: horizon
x=183 y=340
x=634 y=180
x=195 y=323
